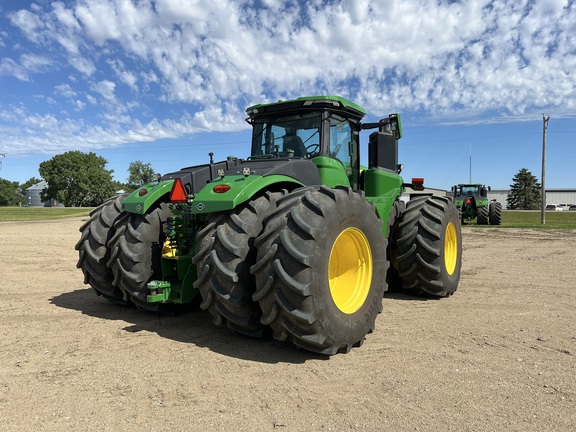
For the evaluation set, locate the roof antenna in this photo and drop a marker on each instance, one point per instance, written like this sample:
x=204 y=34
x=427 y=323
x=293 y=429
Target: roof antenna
x=470 y=163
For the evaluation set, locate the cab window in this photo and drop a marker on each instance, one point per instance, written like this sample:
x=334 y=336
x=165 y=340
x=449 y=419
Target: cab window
x=340 y=138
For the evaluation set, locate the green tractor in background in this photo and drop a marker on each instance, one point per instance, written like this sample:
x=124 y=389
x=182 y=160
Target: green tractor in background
x=297 y=240
x=472 y=202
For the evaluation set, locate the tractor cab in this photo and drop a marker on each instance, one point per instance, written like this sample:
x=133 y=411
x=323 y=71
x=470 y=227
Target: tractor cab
x=324 y=129
x=470 y=190
x=307 y=127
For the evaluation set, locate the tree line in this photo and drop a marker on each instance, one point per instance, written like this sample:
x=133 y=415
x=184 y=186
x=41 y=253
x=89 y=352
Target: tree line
x=76 y=179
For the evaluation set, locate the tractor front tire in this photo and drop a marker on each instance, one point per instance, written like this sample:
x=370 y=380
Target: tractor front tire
x=495 y=213
x=136 y=255
x=94 y=251
x=320 y=269
x=225 y=255
x=430 y=246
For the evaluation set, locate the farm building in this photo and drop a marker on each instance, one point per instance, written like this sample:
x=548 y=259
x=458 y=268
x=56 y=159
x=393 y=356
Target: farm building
x=33 y=198
x=553 y=196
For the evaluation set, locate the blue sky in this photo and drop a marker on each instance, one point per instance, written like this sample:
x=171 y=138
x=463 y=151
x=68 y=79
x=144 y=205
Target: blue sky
x=167 y=81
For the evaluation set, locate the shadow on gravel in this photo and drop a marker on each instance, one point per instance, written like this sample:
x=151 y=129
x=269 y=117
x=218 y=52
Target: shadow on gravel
x=193 y=327
x=398 y=294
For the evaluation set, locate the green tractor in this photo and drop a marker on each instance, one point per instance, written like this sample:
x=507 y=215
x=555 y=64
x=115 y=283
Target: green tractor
x=472 y=202
x=298 y=240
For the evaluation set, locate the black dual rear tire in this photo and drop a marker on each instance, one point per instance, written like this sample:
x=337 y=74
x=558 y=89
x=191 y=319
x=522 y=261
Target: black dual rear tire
x=135 y=255
x=482 y=218
x=226 y=252
x=495 y=213
x=94 y=249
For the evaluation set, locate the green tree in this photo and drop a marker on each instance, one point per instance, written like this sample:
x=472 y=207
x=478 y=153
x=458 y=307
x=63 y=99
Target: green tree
x=30 y=182
x=9 y=193
x=77 y=179
x=139 y=173
x=120 y=186
x=525 y=192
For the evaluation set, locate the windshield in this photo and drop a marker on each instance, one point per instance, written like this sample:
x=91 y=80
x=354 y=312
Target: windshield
x=295 y=135
x=470 y=190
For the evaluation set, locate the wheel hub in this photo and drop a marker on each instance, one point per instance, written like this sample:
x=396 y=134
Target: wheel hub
x=450 y=248
x=350 y=270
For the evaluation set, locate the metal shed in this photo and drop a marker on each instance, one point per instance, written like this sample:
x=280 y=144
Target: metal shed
x=33 y=196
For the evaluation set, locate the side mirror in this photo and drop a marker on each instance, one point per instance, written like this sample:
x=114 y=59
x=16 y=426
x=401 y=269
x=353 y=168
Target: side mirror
x=395 y=125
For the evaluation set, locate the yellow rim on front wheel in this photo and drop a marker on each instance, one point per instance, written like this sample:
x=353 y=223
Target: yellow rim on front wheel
x=450 y=248
x=350 y=270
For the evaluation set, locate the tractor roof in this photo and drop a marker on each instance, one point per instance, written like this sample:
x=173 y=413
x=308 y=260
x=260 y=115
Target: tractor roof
x=309 y=103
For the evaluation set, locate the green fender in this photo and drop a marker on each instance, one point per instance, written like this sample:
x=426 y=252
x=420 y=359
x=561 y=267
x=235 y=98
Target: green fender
x=332 y=172
x=482 y=202
x=144 y=197
x=242 y=188
x=382 y=188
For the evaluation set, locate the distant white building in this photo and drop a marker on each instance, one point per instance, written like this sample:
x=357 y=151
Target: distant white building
x=553 y=196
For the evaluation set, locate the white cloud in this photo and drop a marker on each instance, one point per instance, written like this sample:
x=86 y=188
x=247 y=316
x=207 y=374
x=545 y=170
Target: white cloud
x=28 y=65
x=11 y=68
x=28 y=22
x=127 y=77
x=65 y=16
x=105 y=89
x=79 y=105
x=31 y=133
x=440 y=59
x=99 y=20
x=83 y=65
x=65 y=90
x=34 y=63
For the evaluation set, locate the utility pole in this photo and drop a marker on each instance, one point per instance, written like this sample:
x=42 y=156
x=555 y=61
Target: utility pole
x=543 y=207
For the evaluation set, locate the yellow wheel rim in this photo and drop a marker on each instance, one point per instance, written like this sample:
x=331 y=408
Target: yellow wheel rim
x=350 y=270
x=450 y=248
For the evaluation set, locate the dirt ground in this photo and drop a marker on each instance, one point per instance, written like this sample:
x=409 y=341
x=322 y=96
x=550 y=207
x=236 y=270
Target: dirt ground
x=499 y=355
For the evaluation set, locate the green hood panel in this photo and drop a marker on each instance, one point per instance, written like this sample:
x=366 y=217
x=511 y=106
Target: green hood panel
x=139 y=204
x=241 y=189
x=270 y=173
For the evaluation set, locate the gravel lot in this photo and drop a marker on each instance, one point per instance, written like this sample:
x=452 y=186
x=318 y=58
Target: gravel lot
x=499 y=355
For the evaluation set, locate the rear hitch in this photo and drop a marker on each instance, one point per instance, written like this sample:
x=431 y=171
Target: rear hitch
x=158 y=291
